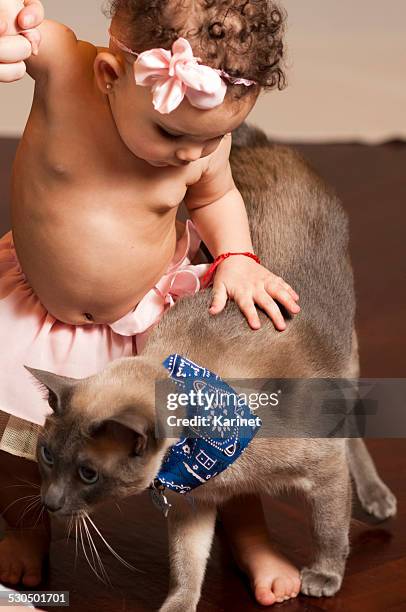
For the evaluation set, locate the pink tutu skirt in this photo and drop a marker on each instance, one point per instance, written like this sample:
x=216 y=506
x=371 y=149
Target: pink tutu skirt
x=29 y=335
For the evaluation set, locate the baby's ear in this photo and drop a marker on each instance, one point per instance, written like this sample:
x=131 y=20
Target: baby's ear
x=108 y=68
x=57 y=387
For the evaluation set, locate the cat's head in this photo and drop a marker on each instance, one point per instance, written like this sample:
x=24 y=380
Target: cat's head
x=100 y=442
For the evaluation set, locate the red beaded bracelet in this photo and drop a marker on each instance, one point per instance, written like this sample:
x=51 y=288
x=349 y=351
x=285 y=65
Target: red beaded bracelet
x=207 y=277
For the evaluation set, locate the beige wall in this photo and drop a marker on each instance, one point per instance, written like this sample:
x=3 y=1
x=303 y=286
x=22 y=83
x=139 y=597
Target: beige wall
x=347 y=69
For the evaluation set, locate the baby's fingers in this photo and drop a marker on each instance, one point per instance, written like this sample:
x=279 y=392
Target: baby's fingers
x=271 y=309
x=291 y=291
x=283 y=285
x=219 y=298
x=284 y=297
x=34 y=37
x=248 y=309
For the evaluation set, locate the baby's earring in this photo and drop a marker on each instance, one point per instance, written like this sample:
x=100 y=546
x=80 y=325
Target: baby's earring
x=109 y=86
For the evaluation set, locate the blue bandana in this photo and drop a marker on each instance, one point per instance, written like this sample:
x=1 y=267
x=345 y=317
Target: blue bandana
x=222 y=427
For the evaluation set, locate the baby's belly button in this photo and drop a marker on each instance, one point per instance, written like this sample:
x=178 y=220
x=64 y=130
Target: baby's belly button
x=88 y=299
x=87 y=318
x=89 y=314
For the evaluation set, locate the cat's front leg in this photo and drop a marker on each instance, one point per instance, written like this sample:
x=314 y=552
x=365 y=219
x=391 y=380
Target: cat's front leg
x=190 y=530
x=331 y=501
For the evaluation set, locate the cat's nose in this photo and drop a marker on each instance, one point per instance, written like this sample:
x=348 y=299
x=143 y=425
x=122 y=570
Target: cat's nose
x=53 y=507
x=54 y=498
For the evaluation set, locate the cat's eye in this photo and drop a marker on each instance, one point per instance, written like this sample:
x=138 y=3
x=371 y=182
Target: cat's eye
x=88 y=475
x=47 y=455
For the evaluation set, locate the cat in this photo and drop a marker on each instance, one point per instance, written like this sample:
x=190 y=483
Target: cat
x=100 y=442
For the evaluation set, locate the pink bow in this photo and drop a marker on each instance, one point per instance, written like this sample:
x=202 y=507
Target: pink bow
x=172 y=76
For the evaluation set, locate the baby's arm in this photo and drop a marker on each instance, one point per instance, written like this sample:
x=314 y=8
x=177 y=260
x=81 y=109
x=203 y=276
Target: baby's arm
x=218 y=211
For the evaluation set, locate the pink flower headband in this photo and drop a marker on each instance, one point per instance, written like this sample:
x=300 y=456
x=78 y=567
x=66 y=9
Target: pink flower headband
x=174 y=75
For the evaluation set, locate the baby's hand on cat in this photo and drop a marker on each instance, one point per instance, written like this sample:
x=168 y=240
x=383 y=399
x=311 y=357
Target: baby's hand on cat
x=248 y=284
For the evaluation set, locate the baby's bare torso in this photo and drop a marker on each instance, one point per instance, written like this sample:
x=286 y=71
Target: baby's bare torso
x=94 y=226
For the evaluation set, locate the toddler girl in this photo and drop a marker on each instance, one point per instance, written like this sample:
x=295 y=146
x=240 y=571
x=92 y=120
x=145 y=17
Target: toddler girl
x=117 y=138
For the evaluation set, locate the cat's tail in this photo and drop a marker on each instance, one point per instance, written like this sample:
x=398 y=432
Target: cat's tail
x=375 y=497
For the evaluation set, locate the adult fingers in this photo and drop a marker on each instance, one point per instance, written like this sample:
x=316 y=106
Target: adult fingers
x=14 y=49
x=32 y=15
x=12 y=72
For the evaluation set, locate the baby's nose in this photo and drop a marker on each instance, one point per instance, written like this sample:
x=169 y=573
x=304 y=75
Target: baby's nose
x=189 y=154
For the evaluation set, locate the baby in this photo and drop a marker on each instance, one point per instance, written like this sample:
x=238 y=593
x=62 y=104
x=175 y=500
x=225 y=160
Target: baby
x=117 y=138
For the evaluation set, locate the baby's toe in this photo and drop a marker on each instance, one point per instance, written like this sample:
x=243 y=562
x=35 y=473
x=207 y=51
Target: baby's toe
x=283 y=588
x=10 y=574
x=263 y=594
x=296 y=586
x=3 y=572
x=4 y=576
x=32 y=576
x=14 y=574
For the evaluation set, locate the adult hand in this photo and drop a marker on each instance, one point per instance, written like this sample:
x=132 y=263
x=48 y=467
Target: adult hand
x=19 y=36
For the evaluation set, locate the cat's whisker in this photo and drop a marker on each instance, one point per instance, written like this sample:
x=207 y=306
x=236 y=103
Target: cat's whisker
x=32 y=508
x=34 y=498
x=28 y=482
x=69 y=528
x=90 y=547
x=42 y=510
x=29 y=507
x=85 y=553
x=98 y=558
x=16 y=501
x=19 y=485
x=100 y=562
x=76 y=540
x=119 y=508
x=113 y=552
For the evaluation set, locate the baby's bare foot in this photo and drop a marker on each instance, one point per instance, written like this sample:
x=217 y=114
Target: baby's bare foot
x=273 y=577
x=22 y=552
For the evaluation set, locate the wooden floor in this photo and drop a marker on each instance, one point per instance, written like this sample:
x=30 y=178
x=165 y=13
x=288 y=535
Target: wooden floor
x=371 y=182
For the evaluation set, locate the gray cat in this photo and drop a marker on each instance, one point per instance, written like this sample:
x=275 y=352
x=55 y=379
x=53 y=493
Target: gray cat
x=101 y=440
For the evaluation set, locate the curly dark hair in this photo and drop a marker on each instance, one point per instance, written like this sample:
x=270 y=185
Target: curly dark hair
x=242 y=37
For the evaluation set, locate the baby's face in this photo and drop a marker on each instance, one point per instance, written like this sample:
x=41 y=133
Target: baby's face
x=175 y=139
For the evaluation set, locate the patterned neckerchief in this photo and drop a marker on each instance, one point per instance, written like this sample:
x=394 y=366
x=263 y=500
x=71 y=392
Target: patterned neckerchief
x=222 y=426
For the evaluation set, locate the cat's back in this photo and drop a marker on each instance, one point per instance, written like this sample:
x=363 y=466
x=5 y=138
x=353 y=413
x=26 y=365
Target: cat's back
x=300 y=231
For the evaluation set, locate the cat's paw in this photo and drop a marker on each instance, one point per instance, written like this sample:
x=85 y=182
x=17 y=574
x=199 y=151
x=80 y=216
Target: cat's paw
x=378 y=500
x=319 y=584
x=177 y=603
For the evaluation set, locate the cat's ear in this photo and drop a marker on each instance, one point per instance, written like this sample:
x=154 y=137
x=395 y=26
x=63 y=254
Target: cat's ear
x=138 y=424
x=55 y=386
